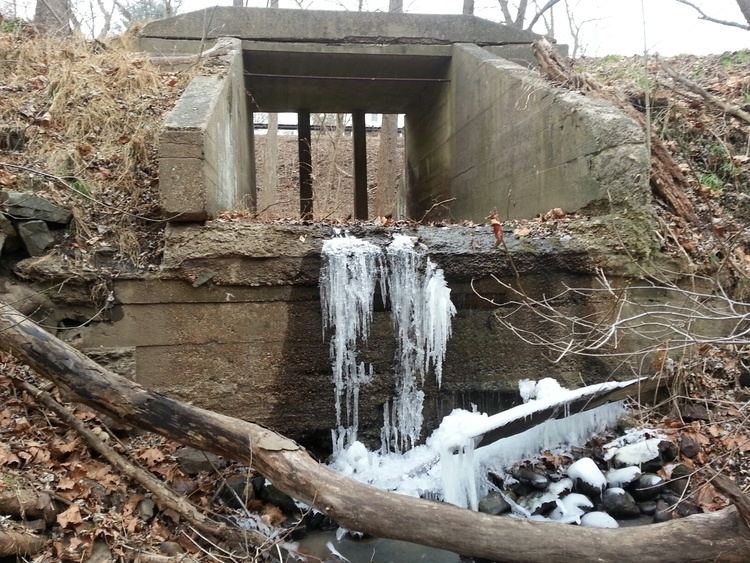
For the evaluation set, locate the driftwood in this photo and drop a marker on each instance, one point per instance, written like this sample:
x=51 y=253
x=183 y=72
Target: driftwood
x=222 y=47
x=164 y=497
x=667 y=181
x=715 y=101
x=721 y=535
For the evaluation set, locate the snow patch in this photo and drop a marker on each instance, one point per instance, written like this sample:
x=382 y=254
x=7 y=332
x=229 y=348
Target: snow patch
x=598 y=520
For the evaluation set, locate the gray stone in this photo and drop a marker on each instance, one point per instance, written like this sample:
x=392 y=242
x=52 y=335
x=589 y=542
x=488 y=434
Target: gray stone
x=22 y=205
x=8 y=235
x=647 y=487
x=494 y=504
x=36 y=237
x=647 y=507
x=619 y=504
x=689 y=447
x=679 y=479
x=146 y=509
x=662 y=514
x=682 y=507
x=693 y=411
x=193 y=461
x=532 y=478
x=100 y=553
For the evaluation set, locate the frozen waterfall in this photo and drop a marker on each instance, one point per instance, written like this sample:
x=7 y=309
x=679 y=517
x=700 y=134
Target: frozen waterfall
x=422 y=313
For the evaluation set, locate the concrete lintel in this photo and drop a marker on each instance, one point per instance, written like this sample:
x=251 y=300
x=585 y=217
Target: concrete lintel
x=406 y=50
x=328 y=26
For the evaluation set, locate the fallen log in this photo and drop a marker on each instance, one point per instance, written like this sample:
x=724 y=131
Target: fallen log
x=26 y=504
x=721 y=535
x=13 y=542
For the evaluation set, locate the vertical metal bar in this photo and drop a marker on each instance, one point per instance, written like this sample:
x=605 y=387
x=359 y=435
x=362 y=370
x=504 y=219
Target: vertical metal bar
x=305 y=165
x=360 y=165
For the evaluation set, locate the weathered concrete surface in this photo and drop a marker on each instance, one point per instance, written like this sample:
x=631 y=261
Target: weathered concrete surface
x=233 y=322
x=501 y=137
x=320 y=26
x=206 y=162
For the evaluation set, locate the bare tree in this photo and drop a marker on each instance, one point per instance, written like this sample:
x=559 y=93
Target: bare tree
x=524 y=12
x=744 y=6
x=387 y=179
x=54 y=16
x=271 y=165
x=468 y=8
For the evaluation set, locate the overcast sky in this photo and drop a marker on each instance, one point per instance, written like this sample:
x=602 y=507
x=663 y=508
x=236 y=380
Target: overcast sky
x=615 y=28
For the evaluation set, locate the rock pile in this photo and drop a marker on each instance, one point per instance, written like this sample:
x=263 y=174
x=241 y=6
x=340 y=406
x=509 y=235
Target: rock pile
x=30 y=221
x=624 y=484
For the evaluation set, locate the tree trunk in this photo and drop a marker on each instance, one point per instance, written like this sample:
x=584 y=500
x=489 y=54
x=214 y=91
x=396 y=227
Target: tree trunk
x=384 y=201
x=19 y=543
x=721 y=535
x=53 y=16
x=238 y=3
x=468 y=8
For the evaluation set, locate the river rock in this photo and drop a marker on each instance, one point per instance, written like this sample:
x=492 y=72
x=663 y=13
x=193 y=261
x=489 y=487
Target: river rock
x=662 y=513
x=272 y=495
x=647 y=507
x=494 y=504
x=668 y=451
x=637 y=454
x=647 y=487
x=539 y=503
x=532 y=478
x=682 y=506
x=619 y=504
x=193 y=461
x=8 y=236
x=237 y=489
x=587 y=477
x=36 y=237
x=24 y=205
x=678 y=480
x=689 y=446
x=623 y=477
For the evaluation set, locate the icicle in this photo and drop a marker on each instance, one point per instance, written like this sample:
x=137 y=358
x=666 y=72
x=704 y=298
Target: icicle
x=421 y=312
x=349 y=274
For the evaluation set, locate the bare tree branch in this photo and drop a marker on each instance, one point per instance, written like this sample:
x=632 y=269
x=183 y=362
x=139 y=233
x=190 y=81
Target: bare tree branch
x=706 y=17
x=548 y=6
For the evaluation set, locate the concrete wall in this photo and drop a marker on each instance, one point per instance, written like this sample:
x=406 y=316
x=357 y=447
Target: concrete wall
x=232 y=322
x=516 y=143
x=206 y=160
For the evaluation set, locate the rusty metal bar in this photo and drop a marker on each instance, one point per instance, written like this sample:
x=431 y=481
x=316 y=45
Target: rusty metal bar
x=360 y=165
x=305 y=165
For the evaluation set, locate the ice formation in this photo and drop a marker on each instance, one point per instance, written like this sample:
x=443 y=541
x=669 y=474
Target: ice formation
x=349 y=275
x=421 y=311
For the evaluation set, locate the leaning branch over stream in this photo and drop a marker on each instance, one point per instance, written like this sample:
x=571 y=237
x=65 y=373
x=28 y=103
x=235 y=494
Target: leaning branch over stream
x=721 y=535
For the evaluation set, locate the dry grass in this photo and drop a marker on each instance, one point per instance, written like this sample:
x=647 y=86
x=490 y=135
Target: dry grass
x=91 y=114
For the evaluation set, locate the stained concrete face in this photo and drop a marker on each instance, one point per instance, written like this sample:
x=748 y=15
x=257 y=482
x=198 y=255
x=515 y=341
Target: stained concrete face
x=206 y=161
x=497 y=136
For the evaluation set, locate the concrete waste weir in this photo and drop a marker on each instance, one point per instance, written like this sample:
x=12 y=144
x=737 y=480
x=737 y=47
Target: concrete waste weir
x=231 y=320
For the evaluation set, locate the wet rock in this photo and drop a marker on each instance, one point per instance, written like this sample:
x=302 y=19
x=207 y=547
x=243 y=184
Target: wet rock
x=694 y=411
x=315 y=520
x=36 y=237
x=668 y=451
x=237 y=490
x=494 y=504
x=744 y=378
x=193 y=461
x=689 y=446
x=561 y=487
x=662 y=513
x=272 y=495
x=678 y=480
x=619 y=504
x=23 y=205
x=587 y=477
x=532 y=478
x=647 y=487
x=539 y=503
x=682 y=506
x=146 y=509
x=647 y=507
